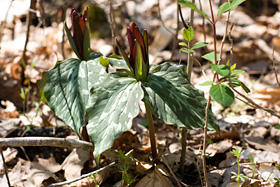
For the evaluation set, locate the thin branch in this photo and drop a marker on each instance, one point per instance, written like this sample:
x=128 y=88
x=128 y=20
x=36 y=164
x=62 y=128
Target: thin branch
x=86 y=175
x=46 y=141
x=3 y=24
x=205 y=142
x=242 y=95
x=5 y=168
x=170 y=170
x=182 y=18
x=224 y=39
x=274 y=69
x=174 y=41
x=203 y=22
x=82 y=176
x=112 y=24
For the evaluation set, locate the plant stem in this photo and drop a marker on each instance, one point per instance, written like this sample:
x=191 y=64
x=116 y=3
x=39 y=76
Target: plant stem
x=151 y=131
x=189 y=72
x=238 y=170
x=5 y=168
x=205 y=142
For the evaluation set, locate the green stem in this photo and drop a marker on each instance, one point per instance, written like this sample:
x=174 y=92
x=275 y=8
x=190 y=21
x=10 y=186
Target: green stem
x=189 y=72
x=151 y=131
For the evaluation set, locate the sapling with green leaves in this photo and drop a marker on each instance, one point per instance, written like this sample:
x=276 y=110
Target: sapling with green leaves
x=238 y=176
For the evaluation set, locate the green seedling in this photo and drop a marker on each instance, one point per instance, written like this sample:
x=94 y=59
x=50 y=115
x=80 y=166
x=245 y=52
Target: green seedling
x=238 y=176
x=125 y=164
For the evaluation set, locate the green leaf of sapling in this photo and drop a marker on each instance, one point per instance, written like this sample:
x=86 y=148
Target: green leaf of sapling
x=244 y=87
x=222 y=70
x=199 y=45
x=232 y=67
x=193 y=7
x=187 y=50
x=188 y=34
x=236 y=72
x=211 y=57
x=206 y=83
x=277 y=127
x=222 y=94
x=225 y=7
x=183 y=44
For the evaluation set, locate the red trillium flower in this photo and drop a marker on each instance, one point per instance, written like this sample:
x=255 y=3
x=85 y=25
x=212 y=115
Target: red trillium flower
x=79 y=40
x=138 y=60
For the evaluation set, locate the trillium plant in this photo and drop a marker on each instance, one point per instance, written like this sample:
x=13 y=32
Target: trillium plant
x=79 y=87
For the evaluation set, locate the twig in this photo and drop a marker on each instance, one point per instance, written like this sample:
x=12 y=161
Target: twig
x=29 y=21
x=112 y=24
x=170 y=170
x=189 y=72
x=82 y=176
x=242 y=95
x=46 y=141
x=265 y=48
x=224 y=39
x=274 y=69
x=5 y=168
x=86 y=175
x=182 y=18
x=203 y=22
x=205 y=141
x=3 y=24
x=174 y=41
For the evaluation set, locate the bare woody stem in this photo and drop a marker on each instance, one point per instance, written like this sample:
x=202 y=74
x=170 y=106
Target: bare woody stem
x=46 y=141
x=151 y=131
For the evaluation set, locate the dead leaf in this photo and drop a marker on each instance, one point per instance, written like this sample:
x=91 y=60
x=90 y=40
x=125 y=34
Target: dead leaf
x=74 y=162
x=155 y=178
x=219 y=147
x=42 y=172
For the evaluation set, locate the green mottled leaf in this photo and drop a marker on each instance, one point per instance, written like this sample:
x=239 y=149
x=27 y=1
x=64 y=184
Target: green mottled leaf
x=91 y=72
x=206 y=83
x=222 y=94
x=211 y=57
x=62 y=93
x=193 y=7
x=225 y=7
x=199 y=45
x=188 y=34
x=174 y=100
x=187 y=50
x=222 y=70
x=66 y=88
x=113 y=105
x=277 y=127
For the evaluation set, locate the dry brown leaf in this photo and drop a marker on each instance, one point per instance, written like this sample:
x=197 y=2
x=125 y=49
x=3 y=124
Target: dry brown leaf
x=42 y=172
x=219 y=147
x=155 y=178
x=272 y=96
x=74 y=162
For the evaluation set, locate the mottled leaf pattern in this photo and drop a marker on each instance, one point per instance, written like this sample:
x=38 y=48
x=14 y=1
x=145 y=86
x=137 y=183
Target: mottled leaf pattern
x=90 y=73
x=114 y=103
x=62 y=93
x=174 y=99
x=66 y=88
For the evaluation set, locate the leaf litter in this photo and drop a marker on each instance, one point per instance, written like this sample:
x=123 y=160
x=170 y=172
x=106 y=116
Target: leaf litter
x=254 y=131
